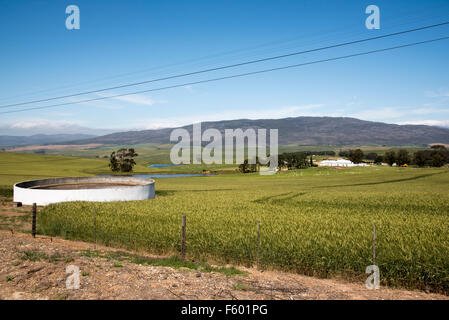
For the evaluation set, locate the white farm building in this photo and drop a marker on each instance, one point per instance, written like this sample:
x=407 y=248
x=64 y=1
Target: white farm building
x=341 y=163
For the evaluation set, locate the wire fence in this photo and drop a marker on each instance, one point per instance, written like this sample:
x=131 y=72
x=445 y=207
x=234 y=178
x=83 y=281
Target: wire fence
x=257 y=254
x=255 y=251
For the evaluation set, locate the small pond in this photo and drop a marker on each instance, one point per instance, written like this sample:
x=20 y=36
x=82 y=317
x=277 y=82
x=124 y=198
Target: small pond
x=171 y=175
x=163 y=165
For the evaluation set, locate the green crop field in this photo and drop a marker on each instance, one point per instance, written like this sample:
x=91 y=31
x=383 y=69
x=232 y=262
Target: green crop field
x=316 y=221
x=15 y=167
x=151 y=153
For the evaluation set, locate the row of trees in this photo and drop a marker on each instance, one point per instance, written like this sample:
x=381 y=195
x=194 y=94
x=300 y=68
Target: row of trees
x=319 y=153
x=357 y=156
x=401 y=157
x=436 y=157
x=122 y=160
x=247 y=167
x=295 y=160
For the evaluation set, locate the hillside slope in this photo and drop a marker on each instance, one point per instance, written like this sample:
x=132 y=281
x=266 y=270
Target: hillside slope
x=303 y=131
x=6 y=141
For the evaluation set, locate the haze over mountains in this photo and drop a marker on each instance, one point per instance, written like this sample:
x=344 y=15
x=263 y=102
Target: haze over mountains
x=7 y=141
x=302 y=131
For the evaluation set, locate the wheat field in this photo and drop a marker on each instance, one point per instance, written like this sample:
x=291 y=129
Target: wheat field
x=318 y=221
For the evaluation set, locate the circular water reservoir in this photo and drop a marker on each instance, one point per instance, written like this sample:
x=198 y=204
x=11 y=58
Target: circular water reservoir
x=97 y=189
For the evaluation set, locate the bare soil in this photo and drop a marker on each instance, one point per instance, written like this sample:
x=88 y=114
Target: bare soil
x=14 y=218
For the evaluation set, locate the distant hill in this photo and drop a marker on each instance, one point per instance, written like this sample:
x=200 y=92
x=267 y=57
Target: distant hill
x=9 y=141
x=303 y=131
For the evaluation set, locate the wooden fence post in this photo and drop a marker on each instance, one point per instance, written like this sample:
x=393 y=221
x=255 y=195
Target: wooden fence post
x=183 y=237
x=374 y=244
x=258 y=244
x=95 y=229
x=33 y=226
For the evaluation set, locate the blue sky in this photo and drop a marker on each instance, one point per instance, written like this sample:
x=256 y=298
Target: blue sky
x=128 y=41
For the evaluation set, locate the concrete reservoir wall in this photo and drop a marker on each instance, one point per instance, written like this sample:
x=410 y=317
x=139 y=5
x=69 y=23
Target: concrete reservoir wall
x=98 y=189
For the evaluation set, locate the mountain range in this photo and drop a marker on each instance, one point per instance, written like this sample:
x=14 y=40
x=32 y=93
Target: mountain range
x=8 y=141
x=301 y=131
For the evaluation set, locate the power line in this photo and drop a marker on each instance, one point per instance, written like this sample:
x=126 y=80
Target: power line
x=234 y=76
x=401 y=15
x=228 y=66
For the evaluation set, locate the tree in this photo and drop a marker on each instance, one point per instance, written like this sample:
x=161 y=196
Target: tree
x=255 y=167
x=355 y=156
x=295 y=160
x=247 y=167
x=390 y=157
x=371 y=156
x=402 y=157
x=243 y=167
x=113 y=163
x=282 y=162
x=343 y=153
x=438 y=147
x=290 y=160
x=420 y=158
x=438 y=159
x=122 y=160
x=378 y=160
